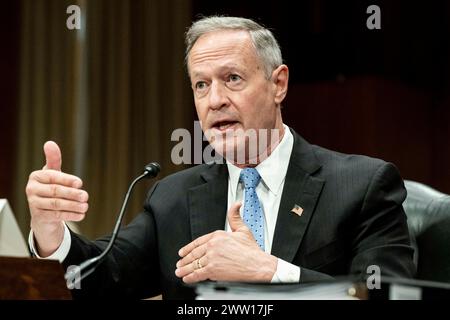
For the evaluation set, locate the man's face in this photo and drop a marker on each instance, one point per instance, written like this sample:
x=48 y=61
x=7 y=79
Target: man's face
x=231 y=90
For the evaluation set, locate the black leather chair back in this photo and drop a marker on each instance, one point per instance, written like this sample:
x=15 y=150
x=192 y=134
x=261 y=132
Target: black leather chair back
x=428 y=212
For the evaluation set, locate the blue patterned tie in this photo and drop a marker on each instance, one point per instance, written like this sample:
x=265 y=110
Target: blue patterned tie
x=253 y=215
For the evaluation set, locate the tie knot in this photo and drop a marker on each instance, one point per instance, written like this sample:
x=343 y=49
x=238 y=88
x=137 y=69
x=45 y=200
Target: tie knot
x=250 y=177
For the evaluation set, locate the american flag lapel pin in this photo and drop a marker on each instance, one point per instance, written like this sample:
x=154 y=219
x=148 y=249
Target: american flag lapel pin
x=297 y=210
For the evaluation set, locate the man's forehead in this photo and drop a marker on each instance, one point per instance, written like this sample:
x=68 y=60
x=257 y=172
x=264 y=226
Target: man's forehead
x=221 y=45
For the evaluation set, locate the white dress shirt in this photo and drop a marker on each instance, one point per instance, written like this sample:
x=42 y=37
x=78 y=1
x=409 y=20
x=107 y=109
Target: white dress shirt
x=61 y=253
x=273 y=173
x=269 y=190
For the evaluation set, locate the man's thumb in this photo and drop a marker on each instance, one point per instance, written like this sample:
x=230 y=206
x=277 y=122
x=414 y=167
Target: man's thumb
x=234 y=218
x=52 y=156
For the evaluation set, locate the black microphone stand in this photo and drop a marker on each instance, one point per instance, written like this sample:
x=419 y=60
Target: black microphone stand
x=74 y=276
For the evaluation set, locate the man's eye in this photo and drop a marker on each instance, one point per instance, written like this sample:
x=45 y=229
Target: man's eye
x=200 y=85
x=234 y=78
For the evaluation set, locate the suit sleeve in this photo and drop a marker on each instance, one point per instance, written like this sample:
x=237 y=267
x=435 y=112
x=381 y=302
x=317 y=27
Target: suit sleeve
x=130 y=270
x=381 y=236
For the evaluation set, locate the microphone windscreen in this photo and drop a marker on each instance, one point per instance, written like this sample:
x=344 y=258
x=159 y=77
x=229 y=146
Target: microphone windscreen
x=152 y=169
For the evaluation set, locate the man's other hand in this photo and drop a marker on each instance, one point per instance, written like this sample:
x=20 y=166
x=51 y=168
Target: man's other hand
x=226 y=256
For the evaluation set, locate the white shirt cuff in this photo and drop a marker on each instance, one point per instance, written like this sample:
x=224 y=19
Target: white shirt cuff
x=61 y=253
x=286 y=273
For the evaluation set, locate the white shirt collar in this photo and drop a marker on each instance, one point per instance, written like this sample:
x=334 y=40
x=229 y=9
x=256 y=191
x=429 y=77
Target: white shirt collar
x=273 y=169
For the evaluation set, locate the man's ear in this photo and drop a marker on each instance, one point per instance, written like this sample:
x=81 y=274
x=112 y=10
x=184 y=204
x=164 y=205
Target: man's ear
x=280 y=78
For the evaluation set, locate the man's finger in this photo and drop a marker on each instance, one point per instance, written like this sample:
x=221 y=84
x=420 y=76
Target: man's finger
x=191 y=273
x=54 y=216
x=194 y=244
x=181 y=272
x=56 y=177
x=59 y=205
x=59 y=191
x=53 y=158
x=234 y=217
x=195 y=254
x=197 y=276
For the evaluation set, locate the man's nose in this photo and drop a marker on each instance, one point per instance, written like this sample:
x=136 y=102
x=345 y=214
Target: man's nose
x=217 y=96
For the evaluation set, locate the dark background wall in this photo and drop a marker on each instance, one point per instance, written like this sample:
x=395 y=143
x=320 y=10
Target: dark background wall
x=9 y=73
x=383 y=93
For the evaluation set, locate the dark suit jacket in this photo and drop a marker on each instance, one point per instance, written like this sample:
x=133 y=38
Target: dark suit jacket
x=352 y=218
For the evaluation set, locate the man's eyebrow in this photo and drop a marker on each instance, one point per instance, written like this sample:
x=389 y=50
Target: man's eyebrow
x=234 y=68
x=197 y=74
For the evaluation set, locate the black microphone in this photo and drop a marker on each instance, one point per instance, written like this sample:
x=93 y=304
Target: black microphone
x=74 y=275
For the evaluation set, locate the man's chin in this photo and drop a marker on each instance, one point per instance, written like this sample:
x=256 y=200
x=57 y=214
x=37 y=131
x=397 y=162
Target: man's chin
x=235 y=152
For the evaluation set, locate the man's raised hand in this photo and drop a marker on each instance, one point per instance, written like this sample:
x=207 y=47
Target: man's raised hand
x=53 y=197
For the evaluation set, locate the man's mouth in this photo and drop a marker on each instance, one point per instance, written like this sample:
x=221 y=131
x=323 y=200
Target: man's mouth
x=224 y=125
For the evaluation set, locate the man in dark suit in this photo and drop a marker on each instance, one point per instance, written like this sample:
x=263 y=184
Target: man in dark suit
x=284 y=211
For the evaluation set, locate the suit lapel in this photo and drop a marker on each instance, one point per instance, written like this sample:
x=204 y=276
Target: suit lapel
x=208 y=201
x=302 y=189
